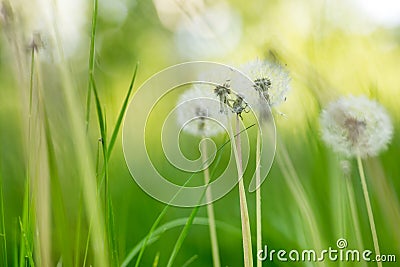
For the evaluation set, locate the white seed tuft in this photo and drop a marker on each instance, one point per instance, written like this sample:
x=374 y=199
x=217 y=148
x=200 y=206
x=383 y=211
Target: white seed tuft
x=272 y=81
x=356 y=126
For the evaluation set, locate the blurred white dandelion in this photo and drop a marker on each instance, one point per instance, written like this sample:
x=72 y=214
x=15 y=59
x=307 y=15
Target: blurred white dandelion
x=199 y=112
x=356 y=127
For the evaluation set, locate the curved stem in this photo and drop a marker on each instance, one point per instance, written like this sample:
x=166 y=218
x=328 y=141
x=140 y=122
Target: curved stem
x=369 y=209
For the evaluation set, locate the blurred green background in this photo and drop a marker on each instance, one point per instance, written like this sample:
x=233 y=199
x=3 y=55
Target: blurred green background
x=331 y=48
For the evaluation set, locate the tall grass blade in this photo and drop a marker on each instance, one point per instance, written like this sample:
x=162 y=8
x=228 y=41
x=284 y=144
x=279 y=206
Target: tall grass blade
x=156 y=260
x=91 y=61
x=27 y=240
x=121 y=114
x=190 y=261
x=112 y=235
x=297 y=189
x=170 y=225
x=182 y=237
x=3 y=235
x=57 y=197
x=100 y=116
x=15 y=246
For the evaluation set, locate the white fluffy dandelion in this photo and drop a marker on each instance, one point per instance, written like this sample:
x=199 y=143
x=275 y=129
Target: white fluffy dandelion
x=199 y=112
x=356 y=127
x=271 y=81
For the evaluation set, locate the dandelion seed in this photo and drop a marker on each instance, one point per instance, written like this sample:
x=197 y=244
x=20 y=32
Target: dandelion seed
x=223 y=91
x=199 y=112
x=239 y=105
x=356 y=127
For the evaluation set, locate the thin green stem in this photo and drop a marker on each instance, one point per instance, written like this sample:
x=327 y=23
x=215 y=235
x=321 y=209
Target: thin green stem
x=3 y=227
x=210 y=210
x=369 y=209
x=258 y=199
x=91 y=61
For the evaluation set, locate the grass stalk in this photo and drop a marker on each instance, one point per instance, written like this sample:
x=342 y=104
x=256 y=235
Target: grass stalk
x=369 y=209
x=297 y=189
x=91 y=61
x=42 y=179
x=190 y=261
x=210 y=211
x=156 y=260
x=3 y=235
x=110 y=233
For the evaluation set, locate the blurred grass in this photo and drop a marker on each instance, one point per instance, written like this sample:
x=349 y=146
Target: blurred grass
x=326 y=60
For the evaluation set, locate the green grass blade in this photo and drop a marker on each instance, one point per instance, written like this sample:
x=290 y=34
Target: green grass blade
x=112 y=235
x=15 y=246
x=25 y=238
x=190 y=261
x=149 y=235
x=163 y=212
x=24 y=226
x=3 y=227
x=87 y=244
x=91 y=61
x=121 y=114
x=100 y=116
x=78 y=233
x=182 y=236
x=170 y=225
x=57 y=196
x=156 y=260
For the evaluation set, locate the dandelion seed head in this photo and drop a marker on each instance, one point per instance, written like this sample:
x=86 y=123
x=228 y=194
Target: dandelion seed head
x=356 y=126
x=199 y=112
x=37 y=42
x=271 y=80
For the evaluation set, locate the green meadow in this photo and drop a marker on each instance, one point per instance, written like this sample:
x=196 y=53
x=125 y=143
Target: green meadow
x=68 y=71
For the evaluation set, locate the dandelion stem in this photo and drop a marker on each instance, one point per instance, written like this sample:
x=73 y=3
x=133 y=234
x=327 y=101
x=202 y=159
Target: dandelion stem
x=244 y=213
x=258 y=199
x=369 y=208
x=354 y=216
x=210 y=210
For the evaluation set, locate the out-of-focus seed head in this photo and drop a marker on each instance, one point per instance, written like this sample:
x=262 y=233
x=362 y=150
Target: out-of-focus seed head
x=356 y=126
